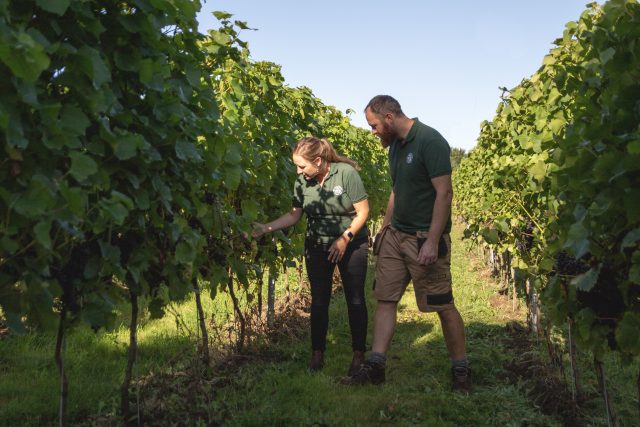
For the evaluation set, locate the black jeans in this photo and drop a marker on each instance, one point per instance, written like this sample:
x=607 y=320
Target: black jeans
x=353 y=270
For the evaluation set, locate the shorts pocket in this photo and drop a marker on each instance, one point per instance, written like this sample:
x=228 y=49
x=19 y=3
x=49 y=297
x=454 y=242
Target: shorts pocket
x=377 y=241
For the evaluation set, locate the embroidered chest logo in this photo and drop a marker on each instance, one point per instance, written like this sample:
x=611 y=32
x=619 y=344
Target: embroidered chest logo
x=409 y=158
x=338 y=190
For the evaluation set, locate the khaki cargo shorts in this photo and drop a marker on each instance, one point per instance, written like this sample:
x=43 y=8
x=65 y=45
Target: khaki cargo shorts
x=397 y=264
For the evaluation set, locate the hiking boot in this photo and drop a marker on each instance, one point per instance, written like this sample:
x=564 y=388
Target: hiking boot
x=369 y=373
x=317 y=360
x=356 y=362
x=461 y=379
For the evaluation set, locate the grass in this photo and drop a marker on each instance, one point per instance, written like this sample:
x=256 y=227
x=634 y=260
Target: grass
x=417 y=391
x=278 y=390
x=95 y=362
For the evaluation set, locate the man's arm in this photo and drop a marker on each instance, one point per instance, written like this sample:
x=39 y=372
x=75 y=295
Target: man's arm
x=441 y=209
x=389 y=213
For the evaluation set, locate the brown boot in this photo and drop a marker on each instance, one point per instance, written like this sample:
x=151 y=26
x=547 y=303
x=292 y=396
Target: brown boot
x=356 y=362
x=317 y=360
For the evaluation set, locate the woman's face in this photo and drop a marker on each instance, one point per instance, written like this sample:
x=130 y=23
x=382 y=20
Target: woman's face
x=308 y=169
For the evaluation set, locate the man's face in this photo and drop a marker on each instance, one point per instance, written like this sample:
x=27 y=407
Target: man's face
x=381 y=127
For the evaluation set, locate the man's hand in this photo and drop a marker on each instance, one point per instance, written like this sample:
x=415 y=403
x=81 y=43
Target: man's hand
x=428 y=252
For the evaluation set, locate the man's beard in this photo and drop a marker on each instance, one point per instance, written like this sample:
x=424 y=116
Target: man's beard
x=387 y=136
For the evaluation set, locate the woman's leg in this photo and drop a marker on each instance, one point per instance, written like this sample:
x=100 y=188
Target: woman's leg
x=320 y=272
x=353 y=270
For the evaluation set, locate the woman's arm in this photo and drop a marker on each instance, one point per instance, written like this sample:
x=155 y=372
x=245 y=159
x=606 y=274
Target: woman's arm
x=286 y=220
x=339 y=246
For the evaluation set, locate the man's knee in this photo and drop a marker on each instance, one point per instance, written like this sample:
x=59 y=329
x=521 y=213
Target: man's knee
x=449 y=313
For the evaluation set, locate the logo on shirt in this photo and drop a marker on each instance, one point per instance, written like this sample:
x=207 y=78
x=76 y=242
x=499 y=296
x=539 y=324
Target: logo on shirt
x=409 y=158
x=338 y=190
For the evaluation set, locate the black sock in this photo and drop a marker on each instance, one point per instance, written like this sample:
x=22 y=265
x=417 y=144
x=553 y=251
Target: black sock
x=379 y=358
x=462 y=363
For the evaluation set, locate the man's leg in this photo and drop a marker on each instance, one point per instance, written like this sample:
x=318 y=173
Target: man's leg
x=453 y=329
x=432 y=285
x=372 y=371
x=384 y=326
x=392 y=278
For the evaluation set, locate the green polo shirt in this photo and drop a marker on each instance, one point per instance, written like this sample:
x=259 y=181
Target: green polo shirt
x=423 y=155
x=329 y=208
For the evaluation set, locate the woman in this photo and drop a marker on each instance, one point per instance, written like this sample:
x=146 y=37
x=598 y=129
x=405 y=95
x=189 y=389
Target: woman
x=330 y=191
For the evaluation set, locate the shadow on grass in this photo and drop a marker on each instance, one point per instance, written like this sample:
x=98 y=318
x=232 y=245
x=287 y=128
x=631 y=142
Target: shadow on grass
x=417 y=390
x=269 y=384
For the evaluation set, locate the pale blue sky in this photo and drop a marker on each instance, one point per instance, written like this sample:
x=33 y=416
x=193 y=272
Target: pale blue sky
x=442 y=60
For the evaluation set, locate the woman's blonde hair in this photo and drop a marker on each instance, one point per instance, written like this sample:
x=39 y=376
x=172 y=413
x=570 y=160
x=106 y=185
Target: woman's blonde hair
x=311 y=148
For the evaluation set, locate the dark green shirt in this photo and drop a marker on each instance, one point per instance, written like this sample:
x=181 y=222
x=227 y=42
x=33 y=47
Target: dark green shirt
x=423 y=155
x=329 y=208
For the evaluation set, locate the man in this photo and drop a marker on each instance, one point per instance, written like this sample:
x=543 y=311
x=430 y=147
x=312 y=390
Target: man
x=415 y=242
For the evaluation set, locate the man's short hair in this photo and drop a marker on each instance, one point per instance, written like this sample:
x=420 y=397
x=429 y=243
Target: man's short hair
x=382 y=104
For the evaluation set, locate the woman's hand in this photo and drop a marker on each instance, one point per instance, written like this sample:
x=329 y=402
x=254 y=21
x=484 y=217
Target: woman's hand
x=258 y=230
x=337 y=249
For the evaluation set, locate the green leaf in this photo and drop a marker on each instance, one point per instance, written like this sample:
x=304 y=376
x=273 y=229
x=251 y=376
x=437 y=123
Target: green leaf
x=73 y=119
x=584 y=321
x=14 y=322
x=117 y=211
x=82 y=166
x=142 y=199
x=631 y=238
x=14 y=154
x=233 y=153
x=634 y=271
x=24 y=56
x=9 y=245
x=249 y=209
x=221 y=15
x=634 y=147
x=539 y=170
x=37 y=200
x=93 y=66
x=42 y=232
x=127 y=146
x=232 y=177
x=186 y=150
x=607 y=55
x=59 y=7
x=145 y=70
x=490 y=235
x=627 y=335
x=75 y=198
x=586 y=281
x=185 y=253
x=118 y=197
x=549 y=60
x=238 y=90
x=578 y=240
x=109 y=252
x=501 y=225
x=631 y=202
x=634 y=274
x=156 y=308
x=556 y=125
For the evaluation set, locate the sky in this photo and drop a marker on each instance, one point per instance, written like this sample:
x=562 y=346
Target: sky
x=444 y=61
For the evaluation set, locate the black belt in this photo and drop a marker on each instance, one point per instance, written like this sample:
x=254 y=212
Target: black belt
x=413 y=233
